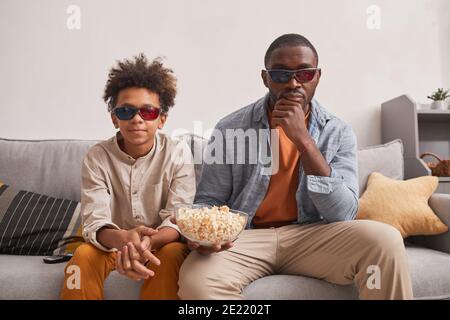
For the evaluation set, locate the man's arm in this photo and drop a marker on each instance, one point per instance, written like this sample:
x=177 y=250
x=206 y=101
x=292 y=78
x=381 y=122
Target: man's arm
x=333 y=188
x=336 y=195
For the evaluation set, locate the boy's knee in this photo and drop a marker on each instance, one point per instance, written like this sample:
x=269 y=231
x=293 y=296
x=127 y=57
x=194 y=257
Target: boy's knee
x=86 y=253
x=174 y=251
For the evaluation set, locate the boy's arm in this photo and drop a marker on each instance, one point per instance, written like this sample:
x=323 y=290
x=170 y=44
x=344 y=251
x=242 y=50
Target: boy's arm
x=216 y=181
x=95 y=204
x=181 y=191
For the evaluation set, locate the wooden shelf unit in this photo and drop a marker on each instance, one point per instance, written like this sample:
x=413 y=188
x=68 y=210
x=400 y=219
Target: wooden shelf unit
x=422 y=130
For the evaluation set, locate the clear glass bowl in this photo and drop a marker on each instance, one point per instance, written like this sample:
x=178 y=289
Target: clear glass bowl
x=208 y=225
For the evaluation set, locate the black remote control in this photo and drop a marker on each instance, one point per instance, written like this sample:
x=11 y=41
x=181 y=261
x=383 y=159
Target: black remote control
x=58 y=258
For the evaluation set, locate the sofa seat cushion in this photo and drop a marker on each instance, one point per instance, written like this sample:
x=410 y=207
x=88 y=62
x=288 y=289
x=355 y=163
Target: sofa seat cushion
x=429 y=273
x=27 y=277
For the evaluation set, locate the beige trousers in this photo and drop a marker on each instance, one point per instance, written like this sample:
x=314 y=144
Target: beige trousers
x=371 y=254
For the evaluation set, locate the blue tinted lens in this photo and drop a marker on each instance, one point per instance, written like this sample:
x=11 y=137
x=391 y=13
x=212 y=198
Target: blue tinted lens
x=125 y=113
x=280 y=76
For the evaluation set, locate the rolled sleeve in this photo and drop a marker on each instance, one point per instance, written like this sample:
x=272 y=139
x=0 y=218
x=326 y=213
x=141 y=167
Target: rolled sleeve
x=95 y=200
x=166 y=223
x=90 y=235
x=335 y=197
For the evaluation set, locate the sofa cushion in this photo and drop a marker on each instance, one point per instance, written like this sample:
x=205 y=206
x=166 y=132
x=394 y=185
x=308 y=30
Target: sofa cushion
x=29 y=278
x=35 y=224
x=386 y=159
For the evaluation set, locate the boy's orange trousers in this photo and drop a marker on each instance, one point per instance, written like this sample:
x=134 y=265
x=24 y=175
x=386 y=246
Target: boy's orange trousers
x=95 y=265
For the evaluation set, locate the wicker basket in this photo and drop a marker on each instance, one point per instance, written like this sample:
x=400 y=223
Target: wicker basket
x=439 y=169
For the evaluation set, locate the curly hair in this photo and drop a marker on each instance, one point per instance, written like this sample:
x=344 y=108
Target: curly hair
x=139 y=72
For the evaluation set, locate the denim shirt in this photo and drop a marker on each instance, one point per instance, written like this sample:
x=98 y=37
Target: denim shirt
x=243 y=186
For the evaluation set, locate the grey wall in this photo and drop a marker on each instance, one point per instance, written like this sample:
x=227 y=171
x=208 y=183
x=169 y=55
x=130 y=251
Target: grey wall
x=52 y=78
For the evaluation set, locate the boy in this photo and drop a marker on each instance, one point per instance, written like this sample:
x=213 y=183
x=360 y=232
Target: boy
x=130 y=184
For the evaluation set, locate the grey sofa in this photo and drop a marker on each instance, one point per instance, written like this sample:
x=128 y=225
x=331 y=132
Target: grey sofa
x=52 y=167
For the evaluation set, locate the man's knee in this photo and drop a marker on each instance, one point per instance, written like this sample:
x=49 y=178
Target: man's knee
x=380 y=237
x=193 y=279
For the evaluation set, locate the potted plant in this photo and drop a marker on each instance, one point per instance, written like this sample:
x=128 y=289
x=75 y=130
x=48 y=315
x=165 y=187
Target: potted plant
x=438 y=98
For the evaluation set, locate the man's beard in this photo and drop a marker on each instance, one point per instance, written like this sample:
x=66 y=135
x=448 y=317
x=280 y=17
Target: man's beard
x=273 y=98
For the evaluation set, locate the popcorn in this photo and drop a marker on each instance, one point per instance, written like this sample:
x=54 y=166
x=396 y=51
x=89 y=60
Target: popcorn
x=211 y=225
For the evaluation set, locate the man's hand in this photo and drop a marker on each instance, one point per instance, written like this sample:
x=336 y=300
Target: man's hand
x=135 y=253
x=289 y=115
x=203 y=249
x=208 y=250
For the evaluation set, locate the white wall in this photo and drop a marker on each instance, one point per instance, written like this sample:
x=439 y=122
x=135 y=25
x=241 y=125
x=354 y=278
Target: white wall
x=52 y=78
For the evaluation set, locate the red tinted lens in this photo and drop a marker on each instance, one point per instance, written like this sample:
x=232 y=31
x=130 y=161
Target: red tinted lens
x=150 y=113
x=305 y=75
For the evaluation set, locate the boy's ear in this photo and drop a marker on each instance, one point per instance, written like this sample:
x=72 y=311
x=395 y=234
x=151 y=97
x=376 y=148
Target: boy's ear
x=114 y=121
x=162 y=120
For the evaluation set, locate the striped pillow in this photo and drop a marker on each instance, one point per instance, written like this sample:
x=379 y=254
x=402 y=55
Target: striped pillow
x=37 y=225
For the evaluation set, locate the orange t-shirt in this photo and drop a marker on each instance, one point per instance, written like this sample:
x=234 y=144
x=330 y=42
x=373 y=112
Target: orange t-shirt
x=279 y=206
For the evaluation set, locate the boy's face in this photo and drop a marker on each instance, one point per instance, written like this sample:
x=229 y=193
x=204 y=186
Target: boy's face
x=136 y=131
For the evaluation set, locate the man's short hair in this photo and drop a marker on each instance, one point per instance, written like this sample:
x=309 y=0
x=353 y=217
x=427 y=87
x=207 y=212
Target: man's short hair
x=289 y=40
x=139 y=72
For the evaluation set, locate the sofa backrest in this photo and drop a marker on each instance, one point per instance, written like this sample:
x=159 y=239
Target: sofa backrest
x=52 y=167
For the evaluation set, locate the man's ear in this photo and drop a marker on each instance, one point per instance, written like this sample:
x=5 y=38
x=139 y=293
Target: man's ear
x=162 y=120
x=318 y=77
x=114 y=121
x=264 y=78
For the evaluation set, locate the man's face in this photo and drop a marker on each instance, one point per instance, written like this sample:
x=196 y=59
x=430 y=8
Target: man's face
x=291 y=58
x=137 y=131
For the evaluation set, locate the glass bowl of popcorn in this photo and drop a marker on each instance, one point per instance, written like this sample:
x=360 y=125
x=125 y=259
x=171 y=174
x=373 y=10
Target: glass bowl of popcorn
x=209 y=225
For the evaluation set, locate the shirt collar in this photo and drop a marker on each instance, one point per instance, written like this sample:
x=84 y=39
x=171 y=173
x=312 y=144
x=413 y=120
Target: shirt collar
x=127 y=158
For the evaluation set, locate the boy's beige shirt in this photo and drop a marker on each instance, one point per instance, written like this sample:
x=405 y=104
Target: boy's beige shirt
x=122 y=193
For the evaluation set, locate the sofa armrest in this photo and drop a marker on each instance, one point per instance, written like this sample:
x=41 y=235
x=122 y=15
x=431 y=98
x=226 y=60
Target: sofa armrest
x=440 y=203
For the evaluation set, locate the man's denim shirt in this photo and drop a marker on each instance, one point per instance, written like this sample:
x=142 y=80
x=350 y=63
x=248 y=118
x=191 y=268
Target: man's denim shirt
x=243 y=186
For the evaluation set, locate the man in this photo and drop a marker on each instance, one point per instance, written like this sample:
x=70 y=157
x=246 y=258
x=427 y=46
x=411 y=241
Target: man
x=301 y=216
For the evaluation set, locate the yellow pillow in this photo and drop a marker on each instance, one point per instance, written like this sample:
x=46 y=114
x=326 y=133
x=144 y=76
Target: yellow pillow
x=402 y=204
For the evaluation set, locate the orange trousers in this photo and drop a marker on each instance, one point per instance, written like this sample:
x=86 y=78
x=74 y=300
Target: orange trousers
x=95 y=265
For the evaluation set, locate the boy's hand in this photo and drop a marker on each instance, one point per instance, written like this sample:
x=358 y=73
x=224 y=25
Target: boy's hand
x=135 y=253
x=203 y=249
